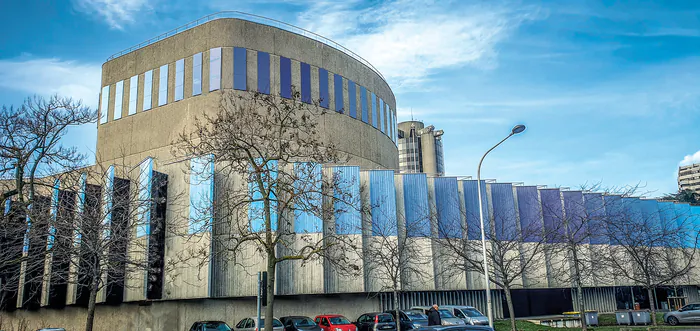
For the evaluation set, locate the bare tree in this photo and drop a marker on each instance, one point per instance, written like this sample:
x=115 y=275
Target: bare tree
x=269 y=154
x=649 y=246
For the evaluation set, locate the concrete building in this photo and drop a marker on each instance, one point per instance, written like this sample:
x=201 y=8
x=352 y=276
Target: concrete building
x=420 y=149
x=689 y=177
x=153 y=92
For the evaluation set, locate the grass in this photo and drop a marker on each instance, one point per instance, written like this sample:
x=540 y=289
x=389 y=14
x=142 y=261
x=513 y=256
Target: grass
x=607 y=323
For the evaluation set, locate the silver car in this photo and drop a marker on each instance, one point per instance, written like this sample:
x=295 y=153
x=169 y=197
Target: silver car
x=446 y=317
x=689 y=313
x=251 y=324
x=468 y=314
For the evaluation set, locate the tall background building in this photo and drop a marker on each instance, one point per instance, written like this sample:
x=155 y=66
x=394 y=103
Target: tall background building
x=420 y=149
x=688 y=177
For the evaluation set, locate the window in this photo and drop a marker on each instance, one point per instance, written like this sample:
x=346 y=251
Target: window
x=104 y=105
x=323 y=87
x=256 y=208
x=382 y=124
x=197 y=74
x=145 y=184
x=133 y=94
x=239 y=68
x=305 y=82
x=352 y=99
x=201 y=193
x=338 y=92
x=147 y=89
x=375 y=120
x=163 y=86
x=118 y=100
x=363 y=104
x=285 y=77
x=264 y=72
x=179 y=79
x=214 y=69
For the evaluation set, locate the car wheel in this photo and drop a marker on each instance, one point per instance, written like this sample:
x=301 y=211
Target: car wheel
x=672 y=320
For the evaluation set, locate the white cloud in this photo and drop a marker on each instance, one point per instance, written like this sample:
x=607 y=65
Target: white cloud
x=116 y=13
x=691 y=159
x=408 y=40
x=52 y=76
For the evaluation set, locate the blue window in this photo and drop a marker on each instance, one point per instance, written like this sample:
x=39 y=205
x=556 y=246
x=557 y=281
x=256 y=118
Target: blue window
x=504 y=217
x=338 y=92
x=529 y=211
x=307 y=186
x=471 y=208
x=240 y=67
x=201 y=208
x=108 y=203
x=285 y=77
x=576 y=220
x=214 y=69
x=163 y=86
x=104 y=105
x=449 y=218
x=382 y=124
x=118 y=99
x=264 y=72
x=375 y=120
x=305 y=82
x=363 y=103
x=54 y=214
x=552 y=214
x=147 y=90
x=145 y=183
x=346 y=200
x=256 y=209
x=179 y=79
x=133 y=94
x=197 y=74
x=352 y=99
x=323 y=87
x=382 y=195
x=417 y=213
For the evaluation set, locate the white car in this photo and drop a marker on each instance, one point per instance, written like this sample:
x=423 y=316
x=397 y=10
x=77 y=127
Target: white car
x=250 y=324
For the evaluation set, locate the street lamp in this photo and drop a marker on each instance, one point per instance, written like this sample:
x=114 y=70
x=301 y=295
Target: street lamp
x=516 y=129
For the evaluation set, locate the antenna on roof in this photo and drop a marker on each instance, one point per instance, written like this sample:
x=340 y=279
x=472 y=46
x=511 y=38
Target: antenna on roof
x=411 y=114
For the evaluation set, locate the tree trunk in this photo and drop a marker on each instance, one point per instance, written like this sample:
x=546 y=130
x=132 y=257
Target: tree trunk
x=91 y=305
x=397 y=310
x=511 y=311
x=270 y=288
x=579 y=289
x=652 y=305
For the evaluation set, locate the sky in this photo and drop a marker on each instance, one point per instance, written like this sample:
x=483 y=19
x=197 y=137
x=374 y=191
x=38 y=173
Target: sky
x=609 y=90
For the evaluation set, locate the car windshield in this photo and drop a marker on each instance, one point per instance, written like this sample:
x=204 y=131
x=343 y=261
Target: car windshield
x=446 y=314
x=471 y=312
x=339 y=320
x=215 y=326
x=385 y=318
x=303 y=322
x=414 y=316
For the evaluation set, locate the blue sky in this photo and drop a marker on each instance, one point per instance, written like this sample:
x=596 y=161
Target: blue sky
x=610 y=91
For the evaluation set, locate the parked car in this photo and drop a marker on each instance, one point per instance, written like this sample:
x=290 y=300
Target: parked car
x=251 y=324
x=468 y=314
x=446 y=317
x=376 y=322
x=455 y=328
x=210 y=326
x=409 y=319
x=299 y=323
x=334 y=323
x=689 y=313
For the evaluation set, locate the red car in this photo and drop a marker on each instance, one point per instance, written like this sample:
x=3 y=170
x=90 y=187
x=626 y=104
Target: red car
x=334 y=323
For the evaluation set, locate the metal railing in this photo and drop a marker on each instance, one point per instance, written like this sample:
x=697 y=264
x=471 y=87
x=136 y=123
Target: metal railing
x=251 y=18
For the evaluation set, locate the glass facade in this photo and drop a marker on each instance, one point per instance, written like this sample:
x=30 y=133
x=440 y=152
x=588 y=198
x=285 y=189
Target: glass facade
x=145 y=184
x=214 y=69
x=163 y=86
x=471 y=208
x=552 y=215
x=285 y=77
x=363 y=104
x=104 y=104
x=197 y=74
x=147 y=89
x=307 y=184
x=416 y=210
x=179 y=79
x=201 y=211
x=264 y=72
x=133 y=94
x=449 y=217
x=256 y=209
x=504 y=215
x=375 y=117
x=382 y=199
x=382 y=124
x=352 y=99
x=118 y=99
x=348 y=219
x=324 y=98
x=305 y=82
x=240 y=68
x=338 y=92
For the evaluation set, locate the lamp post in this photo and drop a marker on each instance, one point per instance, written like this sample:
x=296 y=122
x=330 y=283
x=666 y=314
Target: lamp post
x=516 y=129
